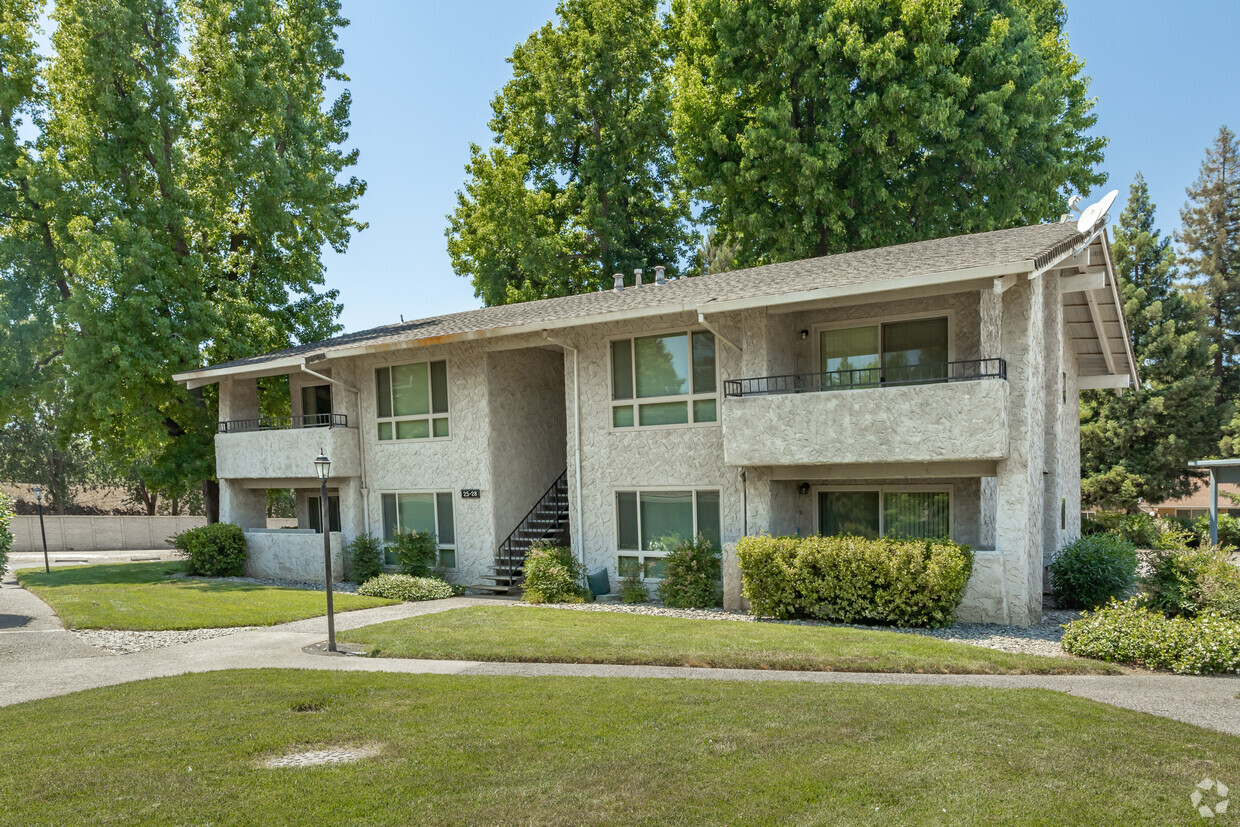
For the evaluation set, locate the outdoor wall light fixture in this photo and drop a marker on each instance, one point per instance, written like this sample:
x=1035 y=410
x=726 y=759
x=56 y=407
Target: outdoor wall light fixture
x=803 y=488
x=323 y=467
x=804 y=335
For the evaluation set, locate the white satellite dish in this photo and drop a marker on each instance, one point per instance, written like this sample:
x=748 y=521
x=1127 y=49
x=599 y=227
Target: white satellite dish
x=1091 y=214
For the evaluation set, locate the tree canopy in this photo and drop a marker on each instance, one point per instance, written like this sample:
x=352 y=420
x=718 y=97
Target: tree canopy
x=811 y=127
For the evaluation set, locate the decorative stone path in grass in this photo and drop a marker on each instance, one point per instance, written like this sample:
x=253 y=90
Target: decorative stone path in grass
x=127 y=643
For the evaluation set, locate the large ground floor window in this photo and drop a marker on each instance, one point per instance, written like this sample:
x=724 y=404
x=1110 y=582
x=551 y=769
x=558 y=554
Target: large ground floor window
x=901 y=513
x=650 y=523
x=421 y=512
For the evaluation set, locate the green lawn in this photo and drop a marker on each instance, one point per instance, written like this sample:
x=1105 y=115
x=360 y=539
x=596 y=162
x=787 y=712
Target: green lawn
x=506 y=633
x=144 y=596
x=489 y=750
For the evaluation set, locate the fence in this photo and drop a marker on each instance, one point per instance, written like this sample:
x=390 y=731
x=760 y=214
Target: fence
x=78 y=533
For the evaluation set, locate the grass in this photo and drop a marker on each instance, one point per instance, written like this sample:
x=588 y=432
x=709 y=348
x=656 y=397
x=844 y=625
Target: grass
x=495 y=750
x=145 y=597
x=505 y=633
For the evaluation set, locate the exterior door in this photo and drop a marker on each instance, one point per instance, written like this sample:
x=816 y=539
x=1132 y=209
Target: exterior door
x=316 y=406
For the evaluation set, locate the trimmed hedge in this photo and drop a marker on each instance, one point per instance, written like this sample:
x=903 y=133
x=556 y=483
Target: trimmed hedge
x=855 y=580
x=1130 y=633
x=553 y=575
x=1093 y=569
x=6 y=534
x=407 y=588
x=216 y=550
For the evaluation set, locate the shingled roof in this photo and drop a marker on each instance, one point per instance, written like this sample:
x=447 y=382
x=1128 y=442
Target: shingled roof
x=989 y=254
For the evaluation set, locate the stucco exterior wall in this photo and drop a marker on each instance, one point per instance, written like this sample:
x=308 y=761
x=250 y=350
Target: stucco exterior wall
x=528 y=437
x=891 y=424
x=290 y=554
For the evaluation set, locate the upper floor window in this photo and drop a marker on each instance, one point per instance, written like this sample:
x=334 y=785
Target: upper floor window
x=664 y=380
x=865 y=356
x=412 y=401
x=431 y=512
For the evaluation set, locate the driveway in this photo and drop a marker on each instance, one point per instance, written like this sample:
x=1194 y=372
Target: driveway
x=49 y=661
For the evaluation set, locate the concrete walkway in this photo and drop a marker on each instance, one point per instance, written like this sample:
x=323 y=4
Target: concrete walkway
x=1206 y=702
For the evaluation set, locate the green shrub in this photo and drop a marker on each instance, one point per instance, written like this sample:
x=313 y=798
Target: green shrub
x=6 y=533
x=1186 y=581
x=407 y=588
x=1140 y=529
x=692 y=575
x=365 y=555
x=216 y=550
x=1091 y=570
x=633 y=588
x=856 y=580
x=1131 y=633
x=416 y=552
x=1228 y=530
x=1226 y=604
x=553 y=575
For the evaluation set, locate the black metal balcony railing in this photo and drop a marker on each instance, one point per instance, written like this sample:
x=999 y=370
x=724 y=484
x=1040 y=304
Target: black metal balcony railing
x=837 y=380
x=282 y=423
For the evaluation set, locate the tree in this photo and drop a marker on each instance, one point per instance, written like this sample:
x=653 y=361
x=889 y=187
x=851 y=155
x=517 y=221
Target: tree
x=811 y=127
x=1210 y=235
x=171 y=212
x=581 y=182
x=35 y=450
x=1138 y=445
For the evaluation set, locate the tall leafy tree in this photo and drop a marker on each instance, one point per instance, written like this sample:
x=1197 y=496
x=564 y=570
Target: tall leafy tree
x=810 y=127
x=1138 y=445
x=581 y=182
x=1210 y=235
x=187 y=176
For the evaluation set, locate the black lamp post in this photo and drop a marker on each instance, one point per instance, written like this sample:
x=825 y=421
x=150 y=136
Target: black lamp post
x=38 y=498
x=323 y=466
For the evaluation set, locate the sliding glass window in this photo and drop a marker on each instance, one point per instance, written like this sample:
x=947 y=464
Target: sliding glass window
x=880 y=512
x=430 y=512
x=897 y=352
x=650 y=523
x=664 y=380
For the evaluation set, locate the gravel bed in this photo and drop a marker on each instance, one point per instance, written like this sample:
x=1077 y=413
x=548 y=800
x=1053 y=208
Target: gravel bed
x=126 y=643
x=344 y=588
x=1040 y=639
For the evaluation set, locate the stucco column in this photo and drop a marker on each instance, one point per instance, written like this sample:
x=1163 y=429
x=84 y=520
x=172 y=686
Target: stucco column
x=246 y=507
x=1019 y=520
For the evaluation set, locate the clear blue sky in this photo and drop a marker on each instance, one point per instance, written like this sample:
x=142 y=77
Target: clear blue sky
x=423 y=75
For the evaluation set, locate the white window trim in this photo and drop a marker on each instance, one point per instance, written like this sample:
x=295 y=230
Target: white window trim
x=689 y=398
x=429 y=417
x=435 y=500
x=817 y=330
x=640 y=554
x=883 y=490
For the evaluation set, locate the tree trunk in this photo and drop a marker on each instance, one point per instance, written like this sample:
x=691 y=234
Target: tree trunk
x=211 y=500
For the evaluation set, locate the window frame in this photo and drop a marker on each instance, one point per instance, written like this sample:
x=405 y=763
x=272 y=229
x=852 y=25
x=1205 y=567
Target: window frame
x=816 y=331
x=883 y=490
x=454 y=546
x=428 y=417
x=634 y=402
x=641 y=554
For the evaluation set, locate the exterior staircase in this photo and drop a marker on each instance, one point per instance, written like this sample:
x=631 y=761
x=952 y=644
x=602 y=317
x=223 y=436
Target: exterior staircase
x=547 y=520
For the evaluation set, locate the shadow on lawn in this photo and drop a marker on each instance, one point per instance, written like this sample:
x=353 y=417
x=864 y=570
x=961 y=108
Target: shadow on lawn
x=171 y=572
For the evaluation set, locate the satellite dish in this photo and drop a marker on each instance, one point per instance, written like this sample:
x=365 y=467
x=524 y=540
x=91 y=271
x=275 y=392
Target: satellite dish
x=1091 y=214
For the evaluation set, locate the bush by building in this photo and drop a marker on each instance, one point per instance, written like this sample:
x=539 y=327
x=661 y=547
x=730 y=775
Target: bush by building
x=216 y=550
x=1093 y=569
x=553 y=575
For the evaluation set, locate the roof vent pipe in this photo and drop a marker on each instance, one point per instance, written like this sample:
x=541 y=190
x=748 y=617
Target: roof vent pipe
x=658 y=274
x=618 y=279
x=637 y=276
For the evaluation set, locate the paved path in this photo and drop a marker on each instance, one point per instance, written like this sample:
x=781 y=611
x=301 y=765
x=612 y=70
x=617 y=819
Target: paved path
x=1206 y=702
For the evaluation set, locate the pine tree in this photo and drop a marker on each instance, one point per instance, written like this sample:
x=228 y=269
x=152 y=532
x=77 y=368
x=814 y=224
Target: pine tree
x=1210 y=235
x=581 y=182
x=1138 y=445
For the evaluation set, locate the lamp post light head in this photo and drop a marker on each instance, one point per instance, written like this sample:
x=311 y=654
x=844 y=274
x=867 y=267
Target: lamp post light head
x=38 y=493
x=323 y=466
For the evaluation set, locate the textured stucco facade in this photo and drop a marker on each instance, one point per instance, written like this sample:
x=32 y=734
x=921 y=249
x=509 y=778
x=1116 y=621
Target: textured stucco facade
x=525 y=408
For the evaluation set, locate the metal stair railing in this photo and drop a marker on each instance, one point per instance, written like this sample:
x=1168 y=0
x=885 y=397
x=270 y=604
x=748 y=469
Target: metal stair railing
x=510 y=556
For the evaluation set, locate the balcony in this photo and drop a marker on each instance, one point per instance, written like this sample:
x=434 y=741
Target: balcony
x=284 y=448
x=927 y=413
